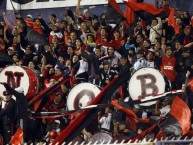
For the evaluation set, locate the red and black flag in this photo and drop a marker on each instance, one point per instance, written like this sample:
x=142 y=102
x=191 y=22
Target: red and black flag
x=177 y=121
x=126 y=108
x=146 y=11
x=85 y=117
x=113 y=15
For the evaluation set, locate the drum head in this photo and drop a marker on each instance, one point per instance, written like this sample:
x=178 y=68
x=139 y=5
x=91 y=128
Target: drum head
x=146 y=82
x=101 y=137
x=81 y=95
x=17 y=76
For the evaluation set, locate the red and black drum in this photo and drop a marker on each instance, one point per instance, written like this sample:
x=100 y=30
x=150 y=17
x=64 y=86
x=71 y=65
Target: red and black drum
x=17 y=76
x=81 y=95
x=148 y=82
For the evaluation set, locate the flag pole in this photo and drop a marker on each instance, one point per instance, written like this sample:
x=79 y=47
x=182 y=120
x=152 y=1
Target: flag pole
x=13 y=6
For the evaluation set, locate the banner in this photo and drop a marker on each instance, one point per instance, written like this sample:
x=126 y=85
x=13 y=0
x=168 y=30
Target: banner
x=41 y=4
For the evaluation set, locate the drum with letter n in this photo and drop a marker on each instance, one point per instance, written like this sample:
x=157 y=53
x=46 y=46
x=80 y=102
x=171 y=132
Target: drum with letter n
x=81 y=95
x=17 y=76
x=147 y=82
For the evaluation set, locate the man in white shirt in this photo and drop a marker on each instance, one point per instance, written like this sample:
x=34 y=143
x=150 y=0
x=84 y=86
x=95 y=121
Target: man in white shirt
x=141 y=62
x=106 y=120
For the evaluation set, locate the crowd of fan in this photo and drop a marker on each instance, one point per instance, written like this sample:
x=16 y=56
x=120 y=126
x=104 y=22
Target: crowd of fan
x=88 y=49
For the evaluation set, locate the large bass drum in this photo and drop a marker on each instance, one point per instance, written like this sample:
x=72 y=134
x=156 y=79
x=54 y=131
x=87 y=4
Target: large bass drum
x=81 y=95
x=148 y=82
x=17 y=76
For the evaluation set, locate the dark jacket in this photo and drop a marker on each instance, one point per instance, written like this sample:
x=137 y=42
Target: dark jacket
x=7 y=113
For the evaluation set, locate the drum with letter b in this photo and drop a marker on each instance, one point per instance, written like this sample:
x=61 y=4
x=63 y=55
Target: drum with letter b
x=147 y=82
x=81 y=95
x=17 y=76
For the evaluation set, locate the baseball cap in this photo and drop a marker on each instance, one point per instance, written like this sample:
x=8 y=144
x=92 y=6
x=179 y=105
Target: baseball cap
x=6 y=93
x=59 y=94
x=57 y=121
x=185 y=49
x=169 y=48
x=140 y=52
x=10 y=48
x=29 y=16
x=85 y=10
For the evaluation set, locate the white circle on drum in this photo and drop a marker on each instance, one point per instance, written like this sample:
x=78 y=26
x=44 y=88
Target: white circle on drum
x=146 y=82
x=81 y=95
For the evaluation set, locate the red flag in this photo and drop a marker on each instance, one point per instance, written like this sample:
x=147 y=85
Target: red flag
x=172 y=22
x=129 y=14
x=17 y=138
x=128 y=111
x=182 y=113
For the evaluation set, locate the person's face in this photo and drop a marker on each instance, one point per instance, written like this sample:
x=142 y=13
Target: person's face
x=54 y=39
x=97 y=52
x=15 y=58
x=37 y=22
x=90 y=39
x=87 y=14
x=150 y=56
x=31 y=65
x=58 y=98
x=106 y=66
x=107 y=110
x=103 y=32
x=185 y=54
x=61 y=59
x=52 y=82
x=169 y=52
x=15 y=32
x=10 y=52
x=73 y=36
x=110 y=51
x=28 y=51
x=122 y=126
x=139 y=39
x=70 y=50
x=51 y=70
x=177 y=45
x=57 y=72
x=139 y=55
x=146 y=44
x=68 y=63
x=123 y=61
x=8 y=97
x=75 y=58
x=116 y=35
x=78 y=43
x=187 y=31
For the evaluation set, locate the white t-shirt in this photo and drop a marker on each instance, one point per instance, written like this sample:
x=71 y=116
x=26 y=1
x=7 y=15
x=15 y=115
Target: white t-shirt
x=106 y=121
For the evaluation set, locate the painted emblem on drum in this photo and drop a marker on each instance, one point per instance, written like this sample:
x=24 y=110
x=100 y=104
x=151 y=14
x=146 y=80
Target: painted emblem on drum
x=81 y=95
x=83 y=98
x=14 y=78
x=145 y=82
x=147 y=85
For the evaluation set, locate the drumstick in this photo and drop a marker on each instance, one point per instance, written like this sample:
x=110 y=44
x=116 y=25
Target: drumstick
x=154 y=98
